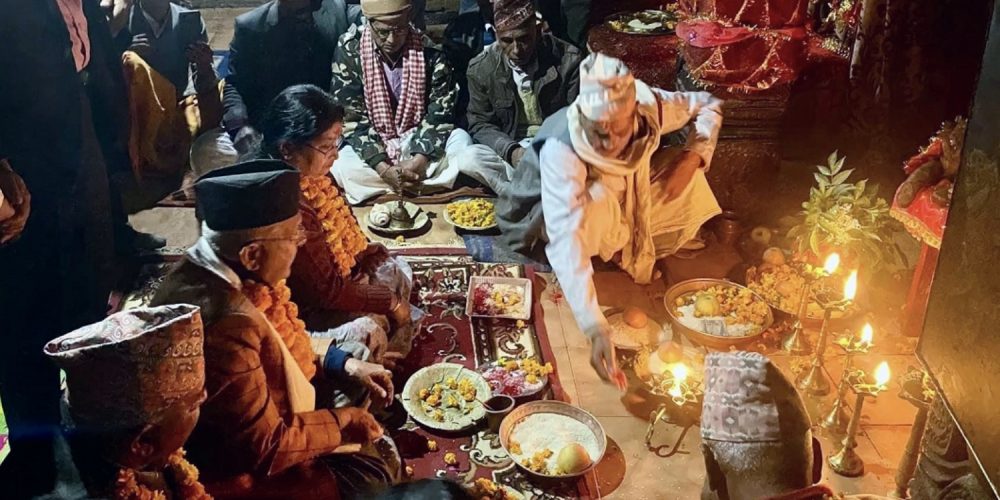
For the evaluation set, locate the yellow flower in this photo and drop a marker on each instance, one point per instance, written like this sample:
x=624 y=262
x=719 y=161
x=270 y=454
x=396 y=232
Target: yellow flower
x=450 y=458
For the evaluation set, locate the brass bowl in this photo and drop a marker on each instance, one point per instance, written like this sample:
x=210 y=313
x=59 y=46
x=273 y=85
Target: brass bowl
x=550 y=406
x=701 y=338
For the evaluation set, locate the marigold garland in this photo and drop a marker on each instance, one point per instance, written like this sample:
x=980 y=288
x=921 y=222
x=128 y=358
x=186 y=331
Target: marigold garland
x=127 y=485
x=276 y=304
x=340 y=229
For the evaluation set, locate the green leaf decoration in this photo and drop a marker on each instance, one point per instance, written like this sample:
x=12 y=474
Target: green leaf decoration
x=846 y=215
x=814 y=241
x=841 y=177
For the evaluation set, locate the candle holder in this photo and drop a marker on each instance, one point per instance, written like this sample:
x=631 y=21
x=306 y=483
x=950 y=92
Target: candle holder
x=846 y=461
x=681 y=400
x=836 y=419
x=915 y=390
x=814 y=381
x=796 y=343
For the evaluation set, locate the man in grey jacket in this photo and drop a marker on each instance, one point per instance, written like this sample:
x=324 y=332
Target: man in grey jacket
x=513 y=86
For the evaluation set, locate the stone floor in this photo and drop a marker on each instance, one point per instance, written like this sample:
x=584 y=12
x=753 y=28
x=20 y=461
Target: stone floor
x=630 y=470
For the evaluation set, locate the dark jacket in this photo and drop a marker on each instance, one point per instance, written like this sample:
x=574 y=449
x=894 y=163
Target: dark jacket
x=267 y=55
x=168 y=55
x=493 y=99
x=349 y=90
x=40 y=109
x=519 y=207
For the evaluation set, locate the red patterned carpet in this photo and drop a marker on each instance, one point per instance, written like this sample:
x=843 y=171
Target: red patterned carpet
x=447 y=334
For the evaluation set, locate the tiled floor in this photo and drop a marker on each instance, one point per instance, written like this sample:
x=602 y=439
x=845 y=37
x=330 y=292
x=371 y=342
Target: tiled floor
x=636 y=472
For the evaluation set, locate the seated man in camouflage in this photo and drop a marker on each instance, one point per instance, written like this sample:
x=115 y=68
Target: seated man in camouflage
x=399 y=94
x=513 y=86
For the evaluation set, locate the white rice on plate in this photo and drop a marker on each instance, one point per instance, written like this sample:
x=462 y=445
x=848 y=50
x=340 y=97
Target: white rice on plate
x=554 y=431
x=686 y=317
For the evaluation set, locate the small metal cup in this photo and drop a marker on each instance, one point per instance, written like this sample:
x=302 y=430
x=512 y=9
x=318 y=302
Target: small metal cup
x=497 y=408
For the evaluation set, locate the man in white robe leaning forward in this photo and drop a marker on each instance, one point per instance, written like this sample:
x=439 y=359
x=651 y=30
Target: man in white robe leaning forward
x=596 y=182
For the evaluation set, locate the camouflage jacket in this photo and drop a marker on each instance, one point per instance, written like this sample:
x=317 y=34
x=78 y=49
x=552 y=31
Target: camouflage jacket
x=348 y=89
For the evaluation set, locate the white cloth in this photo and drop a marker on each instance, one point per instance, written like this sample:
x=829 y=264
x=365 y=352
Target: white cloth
x=301 y=393
x=361 y=182
x=485 y=166
x=607 y=88
x=584 y=209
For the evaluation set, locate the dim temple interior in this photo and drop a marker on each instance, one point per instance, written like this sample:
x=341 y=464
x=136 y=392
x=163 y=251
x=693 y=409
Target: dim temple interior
x=499 y=249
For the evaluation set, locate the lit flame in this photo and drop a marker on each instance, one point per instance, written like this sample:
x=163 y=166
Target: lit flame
x=851 y=286
x=675 y=391
x=866 y=334
x=882 y=374
x=680 y=373
x=832 y=263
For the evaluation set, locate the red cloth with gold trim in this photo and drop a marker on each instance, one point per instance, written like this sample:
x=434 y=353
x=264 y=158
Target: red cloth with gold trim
x=759 y=13
x=742 y=58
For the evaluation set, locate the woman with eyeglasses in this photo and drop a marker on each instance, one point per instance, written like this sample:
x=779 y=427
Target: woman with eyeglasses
x=353 y=294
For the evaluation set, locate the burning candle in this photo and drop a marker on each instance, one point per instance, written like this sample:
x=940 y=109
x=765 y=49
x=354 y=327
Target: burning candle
x=882 y=375
x=832 y=263
x=866 y=336
x=851 y=286
x=680 y=373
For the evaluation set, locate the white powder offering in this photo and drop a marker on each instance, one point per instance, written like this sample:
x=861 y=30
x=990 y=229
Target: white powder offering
x=553 y=431
x=705 y=324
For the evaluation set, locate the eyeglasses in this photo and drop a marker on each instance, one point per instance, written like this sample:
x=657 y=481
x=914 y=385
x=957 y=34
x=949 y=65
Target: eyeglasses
x=392 y=30
x=324 y=152
x=300 y=239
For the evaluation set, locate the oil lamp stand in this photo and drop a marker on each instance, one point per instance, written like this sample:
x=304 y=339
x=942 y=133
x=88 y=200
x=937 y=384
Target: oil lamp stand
x=912 y=384
x=836 y=419
x=814 y=381
x=846 y=461
x=796 y=343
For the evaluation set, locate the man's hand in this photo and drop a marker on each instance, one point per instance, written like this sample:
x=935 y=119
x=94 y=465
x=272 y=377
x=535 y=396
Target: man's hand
x=374 y=377
x=15 y=194
x=141 y=46
x=391 y=359
x=414 y=170
x=199 y=54
x=357 y=425
x=682 y=174
x=602 y=359
x=516 y=156
x=391 y=175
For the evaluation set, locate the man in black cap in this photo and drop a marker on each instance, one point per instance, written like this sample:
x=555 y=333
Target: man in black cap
x=260 y=428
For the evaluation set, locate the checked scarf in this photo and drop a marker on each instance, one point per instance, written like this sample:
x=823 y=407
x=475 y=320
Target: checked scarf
x=392 y=124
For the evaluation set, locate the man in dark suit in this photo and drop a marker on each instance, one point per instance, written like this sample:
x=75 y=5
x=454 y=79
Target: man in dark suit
x=279 y=44
x=61 y=116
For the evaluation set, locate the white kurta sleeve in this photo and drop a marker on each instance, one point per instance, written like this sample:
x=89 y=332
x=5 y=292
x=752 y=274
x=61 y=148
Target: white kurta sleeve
x=564 y=194
x=677 y=109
